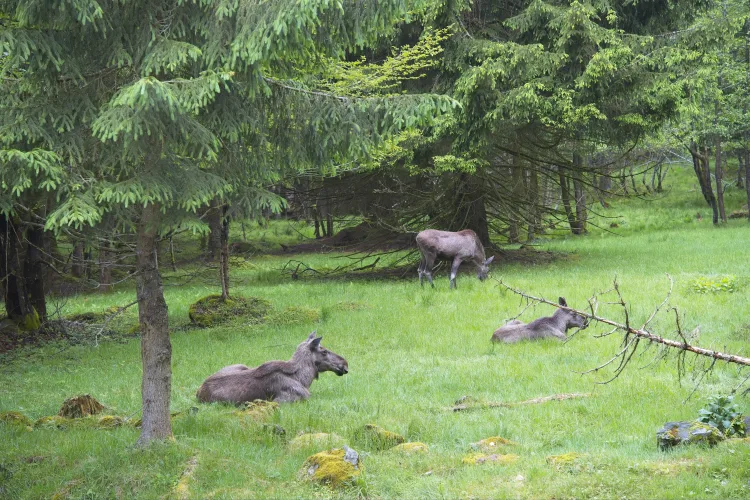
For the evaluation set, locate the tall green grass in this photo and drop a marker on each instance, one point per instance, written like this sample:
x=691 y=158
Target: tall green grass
x=412 y=352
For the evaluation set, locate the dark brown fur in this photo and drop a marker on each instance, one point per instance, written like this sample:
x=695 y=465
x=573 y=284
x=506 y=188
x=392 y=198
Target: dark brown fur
x=550 y=326
x=446 y=245
x=280 y=381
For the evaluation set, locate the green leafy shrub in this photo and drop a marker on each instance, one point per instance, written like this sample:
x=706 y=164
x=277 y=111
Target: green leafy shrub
x=715 y=284
x=723 y=414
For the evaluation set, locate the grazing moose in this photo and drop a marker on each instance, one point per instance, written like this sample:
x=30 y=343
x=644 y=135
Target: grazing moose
x=447 y=245
x=280 y=381
x=550 y=326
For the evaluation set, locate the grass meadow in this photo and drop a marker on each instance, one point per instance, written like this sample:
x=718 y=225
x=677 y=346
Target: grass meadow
x=412 y=353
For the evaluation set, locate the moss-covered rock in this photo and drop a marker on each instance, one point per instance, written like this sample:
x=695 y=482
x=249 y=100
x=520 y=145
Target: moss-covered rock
x=317 y=439
x=15 y=419
x=377 y=438
x=687 y=432
x=80 y=406
x=213 y=310
x=480 y=458
x=334 y=467
x=56 y=422
x=258 y=410
x=295 y=315
x=491 y=444
x=110 y=422
x=563 y=460
x=409 y=448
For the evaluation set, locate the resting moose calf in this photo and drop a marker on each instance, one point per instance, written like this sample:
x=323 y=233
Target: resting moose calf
x=550 y=326
x=281 y=381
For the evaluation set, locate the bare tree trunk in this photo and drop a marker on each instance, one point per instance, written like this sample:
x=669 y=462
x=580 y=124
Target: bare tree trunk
x=33 y=271
x=213 y=218
x=703 y=172
x=224 y=260
x=516 y=190
x=533 y=201
x=740 y=166
x=580 y=194
x=156 y=348
x=77 y=265
x=105 y=267
x=719 y=174
x=470 y=200
x=565 y=194
x=10 y=271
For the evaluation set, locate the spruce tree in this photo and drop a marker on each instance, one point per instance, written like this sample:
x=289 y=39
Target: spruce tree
x=168 y=105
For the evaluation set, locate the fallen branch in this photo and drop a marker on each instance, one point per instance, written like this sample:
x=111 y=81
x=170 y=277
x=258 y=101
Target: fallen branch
x=470 y=403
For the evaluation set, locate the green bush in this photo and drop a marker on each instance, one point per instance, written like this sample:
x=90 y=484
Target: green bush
x=723 y=414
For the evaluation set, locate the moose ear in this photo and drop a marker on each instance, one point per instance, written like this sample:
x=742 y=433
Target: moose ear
x=312 y=335
x=561 y=301
x=488 y=261
x=315 y=343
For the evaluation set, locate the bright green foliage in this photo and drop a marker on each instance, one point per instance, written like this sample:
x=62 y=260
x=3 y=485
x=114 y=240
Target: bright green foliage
x=113 y=105
x=709 y=284
x=722 y=412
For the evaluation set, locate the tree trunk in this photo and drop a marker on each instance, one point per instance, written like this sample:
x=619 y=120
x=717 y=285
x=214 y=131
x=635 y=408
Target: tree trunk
x=719 y=174
x=470 y=201
x=702 y=171
x=10 y=275
x=740 y=183
x=580 y=194
x=224 y=261
x=565 y=194
x=706 y=165
x=33 y=271
x=105 y=267
x=156 y=349
x=77 y=263
x=516 y=201
x=215 y=227
x=533 y=201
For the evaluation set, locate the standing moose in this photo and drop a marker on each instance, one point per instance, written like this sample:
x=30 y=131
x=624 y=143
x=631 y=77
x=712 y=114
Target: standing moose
x=281 y=381
x=447 y=245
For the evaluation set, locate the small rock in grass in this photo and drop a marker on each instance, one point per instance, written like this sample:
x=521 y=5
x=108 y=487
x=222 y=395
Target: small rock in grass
x=334 y=467
x=480 y=458
x=409 y=448
x=15 y=419
x=687 y=432
x=564 y=459
x=378 y=438
x=258 y=410
x=491 y=444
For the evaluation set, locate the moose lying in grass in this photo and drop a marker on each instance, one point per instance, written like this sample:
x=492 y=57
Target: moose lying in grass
x=550 y=326
x=447 y=245
x=280 y=381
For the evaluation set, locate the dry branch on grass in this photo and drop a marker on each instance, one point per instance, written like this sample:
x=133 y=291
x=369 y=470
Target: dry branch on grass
x=633 y=336
x=469 y=403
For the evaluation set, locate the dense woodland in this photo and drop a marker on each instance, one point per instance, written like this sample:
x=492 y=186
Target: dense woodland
x=124 y=124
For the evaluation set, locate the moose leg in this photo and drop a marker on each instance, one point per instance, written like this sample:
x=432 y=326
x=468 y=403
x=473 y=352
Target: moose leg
x=420 y=270
x=454 y=271
x=429 y=261
x=295 y=392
